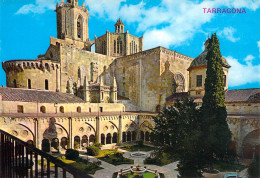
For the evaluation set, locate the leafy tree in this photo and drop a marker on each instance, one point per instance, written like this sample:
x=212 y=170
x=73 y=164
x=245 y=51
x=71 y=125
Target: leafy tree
x=216 y=133
x=177 y=131
x=254 y=168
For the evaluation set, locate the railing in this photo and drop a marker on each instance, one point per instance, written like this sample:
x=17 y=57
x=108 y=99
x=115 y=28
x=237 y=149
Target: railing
x=19 y=159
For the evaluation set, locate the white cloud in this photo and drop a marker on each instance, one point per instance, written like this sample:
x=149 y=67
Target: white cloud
x=170 y=22
x=39 y=7
x=241 y=74
x=228 y=32
x=258 y=44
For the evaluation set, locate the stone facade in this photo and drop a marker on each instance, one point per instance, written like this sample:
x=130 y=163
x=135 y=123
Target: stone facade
x=118 y=77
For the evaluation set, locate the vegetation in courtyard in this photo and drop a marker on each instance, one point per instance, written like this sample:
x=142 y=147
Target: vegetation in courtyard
x=137 y=148
x=254 y=168
x=144 y=175
x=72 y=154
x=160 y=159
x=225 y=166
x=114 y=157
x=216 y=135
x=197 y=137
x=94 y=149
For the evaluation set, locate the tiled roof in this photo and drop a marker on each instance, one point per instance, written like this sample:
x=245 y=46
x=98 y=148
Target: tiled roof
x=42 y=96
x=201 y=60
x=119 y=22
x=241 y=95
x=119 y=97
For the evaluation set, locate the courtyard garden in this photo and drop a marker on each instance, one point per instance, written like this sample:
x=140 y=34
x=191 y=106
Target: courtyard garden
x=137 y=147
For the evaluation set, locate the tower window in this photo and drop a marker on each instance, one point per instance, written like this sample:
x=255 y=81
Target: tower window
x=199 y=80
x=78 y=109
x=29 y=84
x=121 y=46
x=225 y=80
x=46 y=85
x=91 y=71
x=79 y=26
x=15 y=84
x=114 y=46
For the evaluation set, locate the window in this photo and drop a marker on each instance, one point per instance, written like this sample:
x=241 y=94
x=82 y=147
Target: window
x=79 y=27
x=20 y=108
x=225 y=80
x=46 y=85
x=89 y=109
x=121 y=46
x=115 y=96
x=114 y=46
x=43 y=109
x=102 y=95
x=29 y=84
x=199 y=80
x=79 y=109
x=118 y=45
x=15 y=84
x=91 y=71
x=62 y=109
x=101 y=109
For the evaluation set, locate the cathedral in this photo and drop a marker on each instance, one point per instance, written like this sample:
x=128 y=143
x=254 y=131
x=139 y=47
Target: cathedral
x=71 y=97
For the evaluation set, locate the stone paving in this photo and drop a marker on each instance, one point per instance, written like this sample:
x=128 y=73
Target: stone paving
x=168 y=170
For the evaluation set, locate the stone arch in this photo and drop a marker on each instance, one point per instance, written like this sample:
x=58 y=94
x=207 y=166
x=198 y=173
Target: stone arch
x=76 y=142
x=179 y=82
x=128 y=136
x=45 y=145
x=114 y=139
x=64 y=142
x=33 y=136
x=103 y=139
x=134 y=135
x=92 y=138
x=113 y=124
x=108 y=138
x=84 y=141
x=55 y=144
x=124 y=137
x=147 y=136
x=146 y=125
x=251 y=144
x=79 y=26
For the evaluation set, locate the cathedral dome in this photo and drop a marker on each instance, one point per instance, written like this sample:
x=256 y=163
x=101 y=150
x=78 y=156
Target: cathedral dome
x=200 y=60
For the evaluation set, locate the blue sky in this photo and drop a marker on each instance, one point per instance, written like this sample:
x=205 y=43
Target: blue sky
x=26 y=26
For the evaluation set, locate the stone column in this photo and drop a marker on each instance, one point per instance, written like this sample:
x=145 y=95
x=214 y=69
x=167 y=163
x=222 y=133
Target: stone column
x=97 y=130
x=119 y=135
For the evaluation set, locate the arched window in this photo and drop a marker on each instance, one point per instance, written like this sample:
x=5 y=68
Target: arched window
x=79 y=109
x=136 y=48
x=114 y=46
x=43 y=109
x=121 y=47
x=79 y=27
x=91 y=71
x=29 y=84
x=179 y=83
x=46 y=85
x=118 y=41
x=15 y=84
x=62 y=109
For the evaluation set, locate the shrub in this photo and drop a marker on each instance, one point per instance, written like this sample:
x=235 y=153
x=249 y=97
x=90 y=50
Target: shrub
x=93 y=150
x=150 y=160
x=72 y=154
x=140 y=142
x=119 y=155
x=97 y=145
x=254 y=168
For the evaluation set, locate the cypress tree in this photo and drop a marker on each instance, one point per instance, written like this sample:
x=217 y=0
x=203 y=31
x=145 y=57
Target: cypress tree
x=217 y=135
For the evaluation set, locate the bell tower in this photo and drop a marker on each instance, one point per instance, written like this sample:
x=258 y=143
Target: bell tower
x=72 y=21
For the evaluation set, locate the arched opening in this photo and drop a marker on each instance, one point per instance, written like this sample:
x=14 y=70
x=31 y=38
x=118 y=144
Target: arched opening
x=43 y=109
x=76 y=142
x=142 y=135
x=124 y=137
x=84 y=141
x=91 y=72
x=46 y=85
x=133 y=135
x=102 y=139
x=78 y=109
x=55 y=144
x=129 y=136
x=179 y=82
x=29 y=84
x=64 y=143
x=79 y=26
x=45 y=145
x=62 y=109
x=158 y=108
x=114 y=140
x=108 y=139
x=147 y=136
x=92 y=138
x=251 y=145
x=14 y=83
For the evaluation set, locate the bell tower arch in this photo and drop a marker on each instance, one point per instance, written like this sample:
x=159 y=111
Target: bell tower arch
x=72 y=21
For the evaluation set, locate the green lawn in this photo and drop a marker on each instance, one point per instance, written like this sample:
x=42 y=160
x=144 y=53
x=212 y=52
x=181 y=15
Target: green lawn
x=137 y=148
x=108 y=155
x=145 y=175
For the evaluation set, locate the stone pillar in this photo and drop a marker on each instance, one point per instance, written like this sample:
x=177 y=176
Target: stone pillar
x=119 y=135
x=36 y=139
x=98 y=140
x=240 y=138
x=57 y=79
x=70 y=139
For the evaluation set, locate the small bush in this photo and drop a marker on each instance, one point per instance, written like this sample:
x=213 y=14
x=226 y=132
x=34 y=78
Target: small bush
x=254 y=168
x=72 y=154
x=140 y=142
x=119 y=155
x=97 y=145
x=93 y=150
